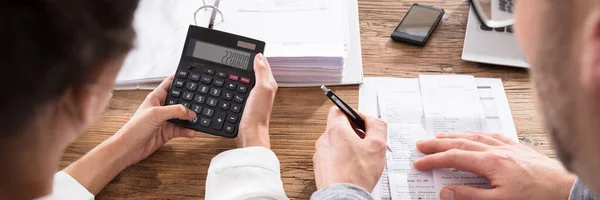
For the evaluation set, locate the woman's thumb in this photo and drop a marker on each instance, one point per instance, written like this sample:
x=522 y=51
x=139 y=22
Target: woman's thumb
x=164 y=113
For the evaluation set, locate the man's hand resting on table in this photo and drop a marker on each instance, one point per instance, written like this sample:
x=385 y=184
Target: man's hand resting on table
x=341 y=156
x=515 y=171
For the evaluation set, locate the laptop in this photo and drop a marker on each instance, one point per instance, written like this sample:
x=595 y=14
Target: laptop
x=492 y=45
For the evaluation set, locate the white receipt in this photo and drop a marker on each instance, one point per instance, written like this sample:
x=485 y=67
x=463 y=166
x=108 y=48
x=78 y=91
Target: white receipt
x=405 y=181
x=445 y=177
x=367 y=104
x=382 y=189
x=498 y=117
x=390 y=91
x=400 y=100
x=451 y=104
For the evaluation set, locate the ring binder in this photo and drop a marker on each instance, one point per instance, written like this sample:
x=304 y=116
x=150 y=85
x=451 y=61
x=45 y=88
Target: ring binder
x=212 y=18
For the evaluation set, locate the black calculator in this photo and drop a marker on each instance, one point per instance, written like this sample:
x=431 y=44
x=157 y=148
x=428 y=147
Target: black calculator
x=214 y=77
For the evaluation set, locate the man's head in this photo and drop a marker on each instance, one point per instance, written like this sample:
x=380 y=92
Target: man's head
x=561 y=40
x=58 y=60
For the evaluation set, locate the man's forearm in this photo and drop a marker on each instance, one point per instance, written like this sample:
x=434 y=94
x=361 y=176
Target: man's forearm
x=341 y=191
x=98 y=167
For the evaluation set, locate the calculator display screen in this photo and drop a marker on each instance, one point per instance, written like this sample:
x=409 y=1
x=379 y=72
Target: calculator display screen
x=223 y=55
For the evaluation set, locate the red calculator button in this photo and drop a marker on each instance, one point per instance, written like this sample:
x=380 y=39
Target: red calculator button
x=245 y=80
x=233 y=77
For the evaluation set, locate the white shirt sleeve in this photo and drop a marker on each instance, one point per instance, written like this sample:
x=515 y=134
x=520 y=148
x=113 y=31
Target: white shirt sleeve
x=66 y=187
x=248 y=173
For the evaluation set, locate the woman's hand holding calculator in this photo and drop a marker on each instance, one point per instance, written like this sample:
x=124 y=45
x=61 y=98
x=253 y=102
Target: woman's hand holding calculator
x=148 y=129
x=254 y=127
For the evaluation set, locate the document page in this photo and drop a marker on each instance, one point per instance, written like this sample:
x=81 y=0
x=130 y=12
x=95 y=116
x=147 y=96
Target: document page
x=161 y=27
x=451 y=104
x=402 y=104
x=400 y=100
x=498 y=120
x=390 y=91
x=282 y=25
x=406 y=182
x=498 y=116
x=368 y=104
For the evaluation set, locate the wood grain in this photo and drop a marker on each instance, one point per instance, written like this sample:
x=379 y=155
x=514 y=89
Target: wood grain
x=178 y=170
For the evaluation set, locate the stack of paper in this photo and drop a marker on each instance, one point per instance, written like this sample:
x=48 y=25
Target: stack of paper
x=305 y=39
x=308 y=42
x=417 y=109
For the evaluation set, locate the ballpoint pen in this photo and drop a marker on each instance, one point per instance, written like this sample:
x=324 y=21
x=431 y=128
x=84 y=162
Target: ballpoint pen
x=350 y=113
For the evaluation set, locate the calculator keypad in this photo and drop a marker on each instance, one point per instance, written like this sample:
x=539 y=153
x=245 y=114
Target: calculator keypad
x=191 y=86
x=179 y=83
x=208 y=112
x=188 y=96
x=228 y=95
x=195 y=77
x=236 y=108
x=219 y=120
x=205 y=122
x=204 y=89
x=209 y=71
x=216 y=97
x=215 y=92
x=231 y=86
x=175 y=93
x=207 y=79
x=219 y=82
x=196 y=108
x=212 y=102
x=242 y=89
x=182 y=74
x=200 y=99
x=170 y=101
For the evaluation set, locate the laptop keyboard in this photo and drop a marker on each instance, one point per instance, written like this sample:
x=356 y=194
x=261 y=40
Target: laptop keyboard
x=507 y=29
x=506 y=5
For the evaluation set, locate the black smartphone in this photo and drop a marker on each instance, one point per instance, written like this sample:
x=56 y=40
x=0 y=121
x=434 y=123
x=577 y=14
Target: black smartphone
x=418 y=24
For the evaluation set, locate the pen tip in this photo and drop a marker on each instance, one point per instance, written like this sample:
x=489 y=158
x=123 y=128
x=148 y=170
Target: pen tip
x=324 y=88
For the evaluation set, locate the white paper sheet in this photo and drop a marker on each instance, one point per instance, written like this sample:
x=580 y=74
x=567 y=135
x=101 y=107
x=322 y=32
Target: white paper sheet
x=391 y=92
x=367 y=97
x=161 y=27
x=283 y=26
x=489 y=93
x=367 y=104
x=498 y=120
x=406 y=182
x=451 y=104
x=497 y=111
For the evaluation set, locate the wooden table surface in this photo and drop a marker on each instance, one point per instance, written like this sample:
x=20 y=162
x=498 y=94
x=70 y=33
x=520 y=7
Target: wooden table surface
x=178 y=170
